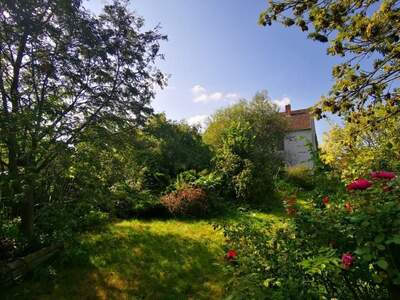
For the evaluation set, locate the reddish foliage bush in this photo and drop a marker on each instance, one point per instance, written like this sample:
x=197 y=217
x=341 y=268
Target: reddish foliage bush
x=290 y=205
x=189 y=201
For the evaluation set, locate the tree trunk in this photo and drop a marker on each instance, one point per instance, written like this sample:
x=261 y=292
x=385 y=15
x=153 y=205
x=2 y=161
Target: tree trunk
x=27 y=214
x=26 y=206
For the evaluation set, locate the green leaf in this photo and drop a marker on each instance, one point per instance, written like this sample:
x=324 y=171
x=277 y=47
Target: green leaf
x=267 y=282
x=394 y=240
x=379 y=238
x=382 y=263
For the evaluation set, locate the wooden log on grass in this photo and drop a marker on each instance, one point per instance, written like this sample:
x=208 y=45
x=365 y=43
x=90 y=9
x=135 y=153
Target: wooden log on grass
x=15 y=270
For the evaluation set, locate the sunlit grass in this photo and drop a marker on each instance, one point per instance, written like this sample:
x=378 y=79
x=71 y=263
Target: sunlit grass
x=158 y=259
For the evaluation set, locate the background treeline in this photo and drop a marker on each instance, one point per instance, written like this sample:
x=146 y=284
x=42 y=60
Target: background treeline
x=80 y=143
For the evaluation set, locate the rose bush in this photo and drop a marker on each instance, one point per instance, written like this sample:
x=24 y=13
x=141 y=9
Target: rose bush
x=342 y=245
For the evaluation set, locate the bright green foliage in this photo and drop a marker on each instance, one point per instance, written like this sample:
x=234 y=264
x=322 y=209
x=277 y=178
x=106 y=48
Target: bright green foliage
x=233 y=161
x=352 y=153
x=367 y=33
x=245 y=138
x=300 y=176
x=168 y=259
x=303 y=260
x=177 y=147
x=63 y=70
x=127 y=167
x=118 y=170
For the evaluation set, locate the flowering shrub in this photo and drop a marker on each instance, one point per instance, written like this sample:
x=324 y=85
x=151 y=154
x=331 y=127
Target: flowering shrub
x=342 y=245
x=231 y=255
x=347 y=260
x=359 y=184
x=383 y=175
x=188 y=201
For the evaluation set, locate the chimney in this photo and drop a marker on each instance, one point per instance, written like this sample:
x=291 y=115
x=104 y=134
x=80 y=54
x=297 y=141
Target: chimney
x=288 y=109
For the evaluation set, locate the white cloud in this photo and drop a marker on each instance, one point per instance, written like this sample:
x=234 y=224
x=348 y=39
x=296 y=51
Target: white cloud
x=201 y=98
x=282 y=102
x=202 y=95
x=216 y=96
x=232 y=96
x=200 y=120
x=198 y=89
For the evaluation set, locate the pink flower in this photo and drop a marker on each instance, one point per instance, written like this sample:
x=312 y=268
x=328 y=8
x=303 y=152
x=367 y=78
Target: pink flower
x=359 y=184
x=383 y=175
x=325 y=200
x=231 y=255
x=347 y=260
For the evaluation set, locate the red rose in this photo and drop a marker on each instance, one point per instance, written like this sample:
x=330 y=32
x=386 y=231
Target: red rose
x=359 y=184
x=347 y=260
x=231 y=255
x=383 y=175
x=325 y=200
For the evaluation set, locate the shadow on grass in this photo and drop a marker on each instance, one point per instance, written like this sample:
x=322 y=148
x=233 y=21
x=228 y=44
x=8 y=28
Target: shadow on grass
x=124 y=262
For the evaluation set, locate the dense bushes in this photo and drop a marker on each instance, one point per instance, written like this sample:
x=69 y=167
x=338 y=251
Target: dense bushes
x=187 y=201
x=245 y=139
x=343 y=245
x=110 y=173
x=352 y=153
x=301 y=176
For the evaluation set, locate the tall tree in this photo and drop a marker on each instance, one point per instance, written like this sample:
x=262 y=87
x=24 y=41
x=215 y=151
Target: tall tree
x=246 y=138
x=367 y=33
x=63 y=69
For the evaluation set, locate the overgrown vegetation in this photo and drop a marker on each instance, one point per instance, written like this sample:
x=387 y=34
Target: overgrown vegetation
x=245 y=138
x=340 y=245
x=366 y=35
x=81 y=149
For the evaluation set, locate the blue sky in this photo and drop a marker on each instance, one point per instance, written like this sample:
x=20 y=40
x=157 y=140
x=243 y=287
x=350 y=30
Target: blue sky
x=217 y=53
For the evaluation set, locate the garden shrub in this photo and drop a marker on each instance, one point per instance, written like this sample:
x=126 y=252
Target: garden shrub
x=343 y=246
x=301 y=176
x=188 y=201
x=209 y=181
x=245 y=139
x=10 y=238
x=58 y=222
x=352 y=153
x=140 y=205
x=212 y=182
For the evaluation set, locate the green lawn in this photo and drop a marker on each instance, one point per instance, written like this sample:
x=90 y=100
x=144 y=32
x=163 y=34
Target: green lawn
x=159 y=259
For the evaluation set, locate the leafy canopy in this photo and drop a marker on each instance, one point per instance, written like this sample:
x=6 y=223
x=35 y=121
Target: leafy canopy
x=366 y=34
x=245 y=137
x=352 y=153
x=61 y=71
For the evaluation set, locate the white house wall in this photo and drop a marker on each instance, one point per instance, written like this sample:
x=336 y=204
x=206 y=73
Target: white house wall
x=295 y=147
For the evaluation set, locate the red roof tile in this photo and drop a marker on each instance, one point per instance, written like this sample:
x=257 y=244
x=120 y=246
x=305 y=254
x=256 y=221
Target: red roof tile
x=298 y=119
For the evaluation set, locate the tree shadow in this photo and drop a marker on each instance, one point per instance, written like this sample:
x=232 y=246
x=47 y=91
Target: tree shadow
x=125 y=263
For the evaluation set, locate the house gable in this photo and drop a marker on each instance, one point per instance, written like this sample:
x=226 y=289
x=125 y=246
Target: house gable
x=301 y=132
